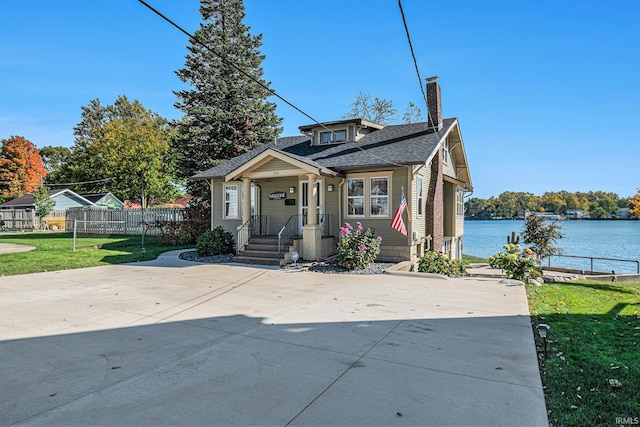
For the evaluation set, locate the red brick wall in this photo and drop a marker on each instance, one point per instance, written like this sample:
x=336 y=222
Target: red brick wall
x=435 y=204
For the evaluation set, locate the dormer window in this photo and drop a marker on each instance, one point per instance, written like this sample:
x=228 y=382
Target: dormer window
x=335 y=136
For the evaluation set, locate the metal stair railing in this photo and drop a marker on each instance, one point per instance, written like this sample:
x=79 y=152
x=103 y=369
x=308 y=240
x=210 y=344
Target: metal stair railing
x=256 y=226
x=287 y=232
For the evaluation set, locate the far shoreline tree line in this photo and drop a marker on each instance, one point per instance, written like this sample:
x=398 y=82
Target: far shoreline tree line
x=588 y=205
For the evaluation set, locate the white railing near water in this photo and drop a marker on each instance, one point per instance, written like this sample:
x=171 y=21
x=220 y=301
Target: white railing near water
x=592 y=258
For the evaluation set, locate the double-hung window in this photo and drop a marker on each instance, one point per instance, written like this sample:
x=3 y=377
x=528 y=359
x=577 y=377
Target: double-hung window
x=379 y=196
x=369 y=195
x=355 y=197
x=460 y=203
x=231 y=193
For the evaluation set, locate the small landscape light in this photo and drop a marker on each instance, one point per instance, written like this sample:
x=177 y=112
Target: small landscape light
x=543 y=331
x=295 y=256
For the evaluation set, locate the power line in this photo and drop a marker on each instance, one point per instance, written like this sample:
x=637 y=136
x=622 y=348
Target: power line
x=78 y=183
x=56 y=184
x=413 y=55
x=196 y=40
x=415 y=63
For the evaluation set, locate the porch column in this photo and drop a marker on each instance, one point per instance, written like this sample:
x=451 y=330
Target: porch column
x=311 y=233
x=246 y=200
x=312 y=194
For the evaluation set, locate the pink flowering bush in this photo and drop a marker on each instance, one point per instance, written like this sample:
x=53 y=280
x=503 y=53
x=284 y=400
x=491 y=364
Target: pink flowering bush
x=357 y=247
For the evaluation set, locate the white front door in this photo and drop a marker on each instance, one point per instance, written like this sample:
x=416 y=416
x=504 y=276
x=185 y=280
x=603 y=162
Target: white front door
x=304 y=201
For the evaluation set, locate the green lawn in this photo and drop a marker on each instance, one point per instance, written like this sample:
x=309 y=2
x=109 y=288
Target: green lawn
x=472 y=259
x=54 y=251
x=592 y=375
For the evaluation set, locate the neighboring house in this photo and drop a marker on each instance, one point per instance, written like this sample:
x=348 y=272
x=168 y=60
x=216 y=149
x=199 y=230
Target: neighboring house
x=107 y=200
x=352 y=170
x=64 y=199
x=576 y=214
x=623 y=213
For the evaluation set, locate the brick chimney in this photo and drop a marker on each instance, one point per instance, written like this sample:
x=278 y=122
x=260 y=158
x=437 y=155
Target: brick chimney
x=434 y=102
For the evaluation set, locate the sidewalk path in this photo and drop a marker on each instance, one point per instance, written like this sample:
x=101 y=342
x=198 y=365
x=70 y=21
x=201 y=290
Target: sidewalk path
x=171 y=342
x=6 y=248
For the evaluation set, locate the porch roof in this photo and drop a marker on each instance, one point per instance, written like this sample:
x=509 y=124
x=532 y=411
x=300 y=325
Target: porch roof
x=408 y=144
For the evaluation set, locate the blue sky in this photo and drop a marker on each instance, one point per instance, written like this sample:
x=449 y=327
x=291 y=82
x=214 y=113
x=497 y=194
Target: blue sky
x=547 y=92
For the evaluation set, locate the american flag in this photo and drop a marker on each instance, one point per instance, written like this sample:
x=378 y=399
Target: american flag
x=397 y=221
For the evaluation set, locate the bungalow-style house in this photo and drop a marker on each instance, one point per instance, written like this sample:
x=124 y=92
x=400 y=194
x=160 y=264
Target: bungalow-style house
x=300 y=190
x=66 y=199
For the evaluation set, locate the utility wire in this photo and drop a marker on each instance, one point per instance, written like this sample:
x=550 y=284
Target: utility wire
x=196 y=40
x=57 y=184
x=415 y=63
x=413 y=55
x=78 y=183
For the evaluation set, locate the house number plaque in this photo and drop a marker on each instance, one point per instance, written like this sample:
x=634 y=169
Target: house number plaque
x=278 y=195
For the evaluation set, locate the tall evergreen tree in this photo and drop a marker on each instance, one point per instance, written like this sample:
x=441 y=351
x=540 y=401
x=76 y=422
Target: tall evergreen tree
x=226 y=111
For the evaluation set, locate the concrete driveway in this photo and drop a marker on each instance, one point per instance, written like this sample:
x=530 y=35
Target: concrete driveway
x=171 y=342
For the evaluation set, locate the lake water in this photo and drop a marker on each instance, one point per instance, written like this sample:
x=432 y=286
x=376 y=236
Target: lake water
x=605 y=239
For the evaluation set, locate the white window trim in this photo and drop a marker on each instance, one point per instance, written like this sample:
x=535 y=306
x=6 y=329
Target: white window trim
x=333 y=134
x=388 y=196
x=224 y=201
x=364 y=197
x=445 y=151
x=366 y=176
x=459 y=203
x=419 y=197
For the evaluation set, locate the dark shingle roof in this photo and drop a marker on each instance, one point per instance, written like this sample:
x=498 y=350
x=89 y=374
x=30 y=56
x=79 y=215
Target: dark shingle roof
x=392 y=145
x=27 y=200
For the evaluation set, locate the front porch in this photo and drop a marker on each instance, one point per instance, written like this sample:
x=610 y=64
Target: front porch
x=264 y=240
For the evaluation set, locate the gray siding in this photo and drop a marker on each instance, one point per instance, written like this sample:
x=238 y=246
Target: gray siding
x=217 y=203
x=276 y=210
x=65 y=201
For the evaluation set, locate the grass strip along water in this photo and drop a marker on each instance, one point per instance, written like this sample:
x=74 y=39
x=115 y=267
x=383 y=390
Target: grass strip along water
x=54 y=251
x=592 y=373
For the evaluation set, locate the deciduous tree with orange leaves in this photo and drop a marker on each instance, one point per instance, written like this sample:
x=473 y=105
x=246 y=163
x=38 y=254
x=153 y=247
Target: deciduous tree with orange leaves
x=21 y=167
x=634 y=204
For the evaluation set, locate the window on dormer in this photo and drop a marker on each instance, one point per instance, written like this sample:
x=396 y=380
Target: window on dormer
x=335 y=136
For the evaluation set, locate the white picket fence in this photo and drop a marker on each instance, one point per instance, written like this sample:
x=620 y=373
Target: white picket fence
x=120 y=221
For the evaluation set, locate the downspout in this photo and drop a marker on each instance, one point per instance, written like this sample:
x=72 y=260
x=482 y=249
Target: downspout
x=211 y=198
x=340 y=201
x=410 y=239
x=410 y=191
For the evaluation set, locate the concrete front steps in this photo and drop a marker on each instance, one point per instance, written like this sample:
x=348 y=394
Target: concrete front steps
x=262 y=251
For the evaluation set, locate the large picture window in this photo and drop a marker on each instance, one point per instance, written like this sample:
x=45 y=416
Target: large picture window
x=355 y=197
x=231 y=201
x=379 y=191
